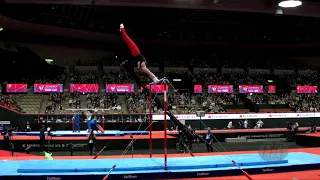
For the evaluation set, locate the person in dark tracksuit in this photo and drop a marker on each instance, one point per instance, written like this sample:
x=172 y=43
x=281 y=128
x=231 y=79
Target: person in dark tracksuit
x=8 y=144
x=209 y=140
x=6 y=139
x=77 y=123
x=42 y=138
x=91 y=141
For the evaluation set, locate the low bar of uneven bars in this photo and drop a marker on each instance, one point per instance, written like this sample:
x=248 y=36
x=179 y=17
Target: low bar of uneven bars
x=87 y=109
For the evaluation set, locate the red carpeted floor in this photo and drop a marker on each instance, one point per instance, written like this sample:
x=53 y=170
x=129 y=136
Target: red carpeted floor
x=306 y=150
x=311 y=134
x=154 y=136
x=6 y=154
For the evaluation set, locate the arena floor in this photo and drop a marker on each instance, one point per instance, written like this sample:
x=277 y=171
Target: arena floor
x=301 y=175
x=254 y=145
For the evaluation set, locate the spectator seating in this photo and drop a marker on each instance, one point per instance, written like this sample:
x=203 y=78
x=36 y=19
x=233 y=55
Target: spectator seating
x=54 y=103
x=214 y=102
x=83 y=76
x=104 y=101
x=183 y=102
x=137 y=103
x=30 y=103
x=304 y=102
x=9 y=102
x=116 y=77
x=179 y=103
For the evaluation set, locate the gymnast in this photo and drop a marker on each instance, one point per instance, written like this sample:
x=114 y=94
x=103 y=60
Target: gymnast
x=93 y=124
x=142 y=62
x=76 y=120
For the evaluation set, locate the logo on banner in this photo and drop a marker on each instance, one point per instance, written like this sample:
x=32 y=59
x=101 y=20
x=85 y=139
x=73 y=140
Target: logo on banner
x=249 y=116
x=41 y=88
x=277 y=115
x=305 y=115
x=130 y=176
x=267 y=170
x=53 y=178
x=203 y=174
x=219 y=116
x=186 y=117
x=112 y=88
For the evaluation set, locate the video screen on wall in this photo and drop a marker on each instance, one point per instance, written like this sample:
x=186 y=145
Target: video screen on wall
x=251 y=89
x=157 y=88
x=220 y=89
x=119 y=88
x=197 y=89
x=17 y=88
x=84 y=88
x=48 y=88
x=271 y=89
x=307 y=89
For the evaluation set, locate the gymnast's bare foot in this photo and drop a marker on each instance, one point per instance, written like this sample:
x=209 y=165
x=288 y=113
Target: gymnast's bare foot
x=121 y=26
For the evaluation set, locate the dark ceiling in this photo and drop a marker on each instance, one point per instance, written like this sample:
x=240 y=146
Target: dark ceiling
x=309 y=8
x=170 y=23
x=142 y=20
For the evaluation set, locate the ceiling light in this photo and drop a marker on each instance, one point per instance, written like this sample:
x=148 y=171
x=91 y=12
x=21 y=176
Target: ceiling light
x=290 y=3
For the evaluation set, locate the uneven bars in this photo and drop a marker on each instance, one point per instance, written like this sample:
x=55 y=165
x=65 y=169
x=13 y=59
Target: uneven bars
x=150 y=120
x=165 y=126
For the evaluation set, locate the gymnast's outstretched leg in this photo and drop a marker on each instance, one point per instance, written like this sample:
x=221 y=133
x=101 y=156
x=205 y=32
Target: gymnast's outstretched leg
x=142 y=63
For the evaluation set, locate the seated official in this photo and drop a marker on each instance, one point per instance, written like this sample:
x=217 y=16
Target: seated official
x=259 y=124
x=28 y=128
x=312 y=129
x=230 y=125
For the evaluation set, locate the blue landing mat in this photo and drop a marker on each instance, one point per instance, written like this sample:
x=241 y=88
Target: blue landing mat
x=146 y=168
x=83 y=133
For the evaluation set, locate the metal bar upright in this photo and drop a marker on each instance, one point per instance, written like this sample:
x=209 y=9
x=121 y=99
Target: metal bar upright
x=150 y=120
x=165 y=126
x=73 y=123
x=102 y=123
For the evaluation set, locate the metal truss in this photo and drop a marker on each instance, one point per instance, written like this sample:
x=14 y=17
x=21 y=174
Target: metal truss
x=73 y=16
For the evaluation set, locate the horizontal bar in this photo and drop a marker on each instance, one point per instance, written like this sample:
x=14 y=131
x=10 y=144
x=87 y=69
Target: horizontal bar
x=87 y=109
